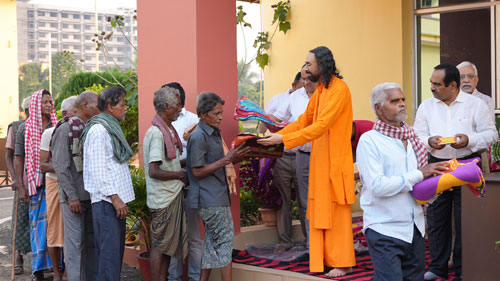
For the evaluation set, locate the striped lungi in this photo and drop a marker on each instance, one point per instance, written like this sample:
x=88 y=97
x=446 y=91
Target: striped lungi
x=168 y=229
x=38 y=231
x=23 y=226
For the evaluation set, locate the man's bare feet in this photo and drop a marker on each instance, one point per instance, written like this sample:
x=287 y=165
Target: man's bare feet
x=339 y=271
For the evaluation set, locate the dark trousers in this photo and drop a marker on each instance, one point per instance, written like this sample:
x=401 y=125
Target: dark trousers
x=395 y=259
x=285 y=180
x=439 y=228
x=109 y=235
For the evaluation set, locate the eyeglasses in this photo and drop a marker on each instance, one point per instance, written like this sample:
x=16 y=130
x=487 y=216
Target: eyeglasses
x=470 y=76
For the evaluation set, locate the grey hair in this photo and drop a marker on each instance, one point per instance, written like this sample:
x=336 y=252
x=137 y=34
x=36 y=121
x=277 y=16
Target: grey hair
x=379 y=93
x=85 y=96
x=206 y=101
x=68 y=104
x=26 y=103
x=468 y=63
x=166 y=96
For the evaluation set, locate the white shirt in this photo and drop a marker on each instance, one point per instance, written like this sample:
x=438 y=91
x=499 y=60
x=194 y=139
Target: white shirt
x=275 y=102
x=45 y=146
x=292 y=109
x=185 y=120
x=488 y=100
x=465 y=115
x=103 y=176
x=388 y=173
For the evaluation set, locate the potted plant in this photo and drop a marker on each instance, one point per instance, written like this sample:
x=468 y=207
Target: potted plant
x=139 y=221
x=256 y=177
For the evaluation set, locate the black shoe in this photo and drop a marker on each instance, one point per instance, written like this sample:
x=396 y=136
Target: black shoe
x=304 y=257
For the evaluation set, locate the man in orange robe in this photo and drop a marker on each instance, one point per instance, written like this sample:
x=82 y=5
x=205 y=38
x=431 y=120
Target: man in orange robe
x=327 y=122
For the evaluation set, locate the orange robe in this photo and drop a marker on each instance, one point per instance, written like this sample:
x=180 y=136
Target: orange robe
x=327 y=122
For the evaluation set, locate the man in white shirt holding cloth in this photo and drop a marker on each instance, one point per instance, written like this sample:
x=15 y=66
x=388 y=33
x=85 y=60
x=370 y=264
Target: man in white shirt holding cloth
x=469 y=78
x=450 y=113
x=393 y=220
x=296 y=106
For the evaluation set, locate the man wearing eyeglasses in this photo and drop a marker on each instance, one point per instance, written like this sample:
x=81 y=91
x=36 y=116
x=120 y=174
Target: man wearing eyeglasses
x=468 y=82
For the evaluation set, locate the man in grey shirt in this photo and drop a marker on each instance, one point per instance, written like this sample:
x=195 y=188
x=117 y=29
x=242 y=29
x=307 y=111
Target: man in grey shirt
x=79 y=247
x=208 y=188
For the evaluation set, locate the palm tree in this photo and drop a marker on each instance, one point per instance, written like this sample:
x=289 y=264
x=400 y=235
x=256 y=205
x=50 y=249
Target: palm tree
x=244 y=73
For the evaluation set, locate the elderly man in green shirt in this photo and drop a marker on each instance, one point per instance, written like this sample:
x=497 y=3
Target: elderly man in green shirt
x=165 y=181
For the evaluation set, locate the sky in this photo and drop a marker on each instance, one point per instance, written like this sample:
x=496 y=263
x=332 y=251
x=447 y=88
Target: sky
x=245 y=36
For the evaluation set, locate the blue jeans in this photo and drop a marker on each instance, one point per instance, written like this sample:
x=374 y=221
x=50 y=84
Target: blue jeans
x=395 y=259
x=109 y=235
x=195 y=250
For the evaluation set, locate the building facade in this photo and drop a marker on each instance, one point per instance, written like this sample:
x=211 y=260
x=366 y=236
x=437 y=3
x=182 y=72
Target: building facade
x=70 y=29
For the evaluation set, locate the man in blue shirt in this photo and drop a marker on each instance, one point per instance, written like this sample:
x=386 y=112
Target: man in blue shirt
x=391 y=160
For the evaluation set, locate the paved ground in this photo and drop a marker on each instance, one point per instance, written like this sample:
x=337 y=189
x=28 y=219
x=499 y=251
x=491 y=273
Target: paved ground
x=6 y=200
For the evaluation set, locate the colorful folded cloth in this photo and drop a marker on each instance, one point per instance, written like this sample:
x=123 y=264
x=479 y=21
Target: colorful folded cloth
x=464 y=172
x=246 y=110
x=257 y=150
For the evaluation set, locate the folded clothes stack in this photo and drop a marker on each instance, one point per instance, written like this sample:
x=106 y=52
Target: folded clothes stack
x=257 y=150
x=246 y=110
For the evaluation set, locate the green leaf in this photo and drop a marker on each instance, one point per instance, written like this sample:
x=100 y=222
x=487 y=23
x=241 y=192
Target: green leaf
x=262 y=59
x=285 y=26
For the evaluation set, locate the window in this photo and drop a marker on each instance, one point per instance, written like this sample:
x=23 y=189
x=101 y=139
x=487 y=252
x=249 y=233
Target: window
x=53 y=14
x=76 y=26
x=41 y=13
x=88 y=27
x=437 y=43
x=65 y=46
x=31 y=46
x=87 y=17
x=42 y=34
x=53 y=24
x=121 y=49
x=42 y=56
x=88 y=57
x=88 y=37
x=31 y=56
x=121 y=59
x=76 y=47
x=54 y=45
x=54 y=35
x=31 y=24
x=42 y=45
x=41 y=24
x=88 y=47
x=99 y=17
x=65 y=36
x=77 y=36
x=65 y=25
x=76 y=16
x=31 y=14
x=64 y=15
x=31 y=35
x=120 y=39
x=109 y=28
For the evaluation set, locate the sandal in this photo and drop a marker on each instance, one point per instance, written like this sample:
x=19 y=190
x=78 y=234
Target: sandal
x=37 y=276
x=18 y=268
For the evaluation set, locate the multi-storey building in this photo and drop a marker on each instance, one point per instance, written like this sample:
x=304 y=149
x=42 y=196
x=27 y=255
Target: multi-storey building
x=72 y=30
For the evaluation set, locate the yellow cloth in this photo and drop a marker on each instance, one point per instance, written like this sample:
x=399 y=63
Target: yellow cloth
x=55 y=225
x=327 y=122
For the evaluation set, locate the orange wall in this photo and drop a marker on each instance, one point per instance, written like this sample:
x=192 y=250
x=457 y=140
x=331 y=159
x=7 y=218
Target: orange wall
x=192 y=42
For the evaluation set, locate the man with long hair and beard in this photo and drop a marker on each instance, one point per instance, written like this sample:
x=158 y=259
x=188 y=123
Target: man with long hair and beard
x=327 y=122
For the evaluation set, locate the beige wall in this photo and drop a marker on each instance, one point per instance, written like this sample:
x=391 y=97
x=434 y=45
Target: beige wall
x=370 y=40
x=9 y=104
